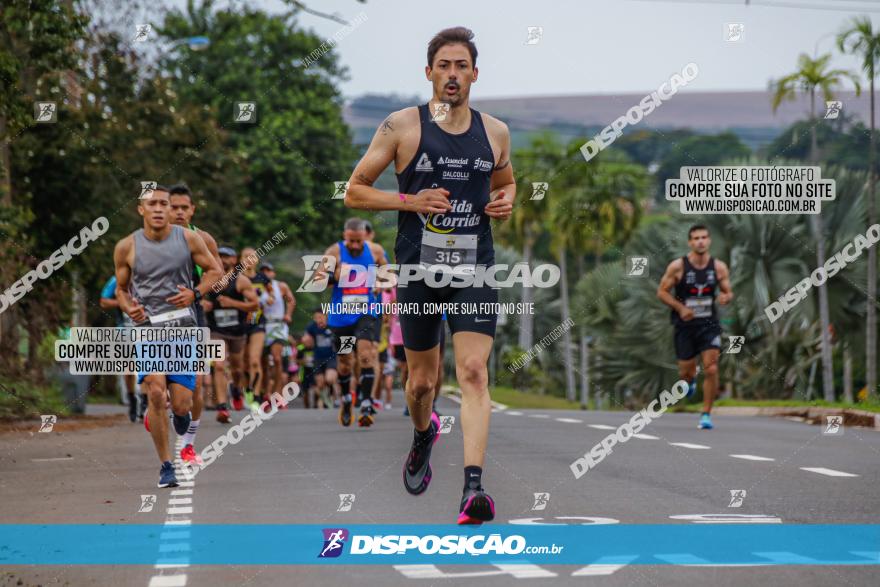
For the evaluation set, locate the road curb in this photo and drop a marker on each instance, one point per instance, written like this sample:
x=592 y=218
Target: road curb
x=811 y=415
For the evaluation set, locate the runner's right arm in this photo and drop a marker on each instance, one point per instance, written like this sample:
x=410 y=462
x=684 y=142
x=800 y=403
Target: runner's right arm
x=362 y=195
x=670 y=278
x=123 y=279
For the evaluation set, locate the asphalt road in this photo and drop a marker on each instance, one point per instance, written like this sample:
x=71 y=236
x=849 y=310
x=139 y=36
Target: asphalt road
x=292 y=469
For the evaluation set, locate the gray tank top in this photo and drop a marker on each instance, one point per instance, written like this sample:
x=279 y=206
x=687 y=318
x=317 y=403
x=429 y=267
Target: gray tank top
x=159 y=267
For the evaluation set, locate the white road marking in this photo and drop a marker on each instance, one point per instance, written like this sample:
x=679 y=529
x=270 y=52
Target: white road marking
x=646 y=437
x=689 y=445
x=523 y=571
x=512 y=413
x=752 y=458
x=601 y=426
x=175 y=529
x=829 y=472
x=168 y=581
x=52 y=459
x=597 y=570
x=571 y=420
x=582 y=520
x=538 y=416
x=728 y=519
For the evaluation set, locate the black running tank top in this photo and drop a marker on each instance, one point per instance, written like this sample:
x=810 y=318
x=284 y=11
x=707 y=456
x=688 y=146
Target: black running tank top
x=228 y=321
x=463 y=165
x=696 y=290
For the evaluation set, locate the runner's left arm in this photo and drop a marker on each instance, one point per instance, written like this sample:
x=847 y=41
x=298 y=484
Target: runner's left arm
x=211 y=271
x=503 y=186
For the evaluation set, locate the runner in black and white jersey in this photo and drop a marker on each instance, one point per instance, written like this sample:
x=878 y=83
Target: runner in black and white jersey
x=454 y=178
x=227 y=317
x=695 y=279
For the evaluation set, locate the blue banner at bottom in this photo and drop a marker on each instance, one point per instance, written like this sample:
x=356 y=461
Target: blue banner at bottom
x=645 y=544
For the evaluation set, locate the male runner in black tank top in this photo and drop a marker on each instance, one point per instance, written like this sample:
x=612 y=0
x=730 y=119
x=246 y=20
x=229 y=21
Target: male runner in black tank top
x=182 y=211
x=695 y=278
x=454 y=177
x=227 y=312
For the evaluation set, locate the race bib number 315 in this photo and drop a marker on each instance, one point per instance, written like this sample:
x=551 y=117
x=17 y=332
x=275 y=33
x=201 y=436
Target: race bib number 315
x=455 y=250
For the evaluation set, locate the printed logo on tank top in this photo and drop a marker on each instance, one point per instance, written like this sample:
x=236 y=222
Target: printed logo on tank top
x=452 y=162
x=482 y=164
x=424 y=163
x=461 y=215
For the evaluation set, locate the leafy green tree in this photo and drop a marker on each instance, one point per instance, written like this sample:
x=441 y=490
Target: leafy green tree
x=299 y=145
x=535 y=164
x=36 y=37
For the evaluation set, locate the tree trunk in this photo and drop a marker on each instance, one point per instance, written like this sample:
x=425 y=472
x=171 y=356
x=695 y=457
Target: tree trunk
x=527 y=320
x=9 y=318
x=824 y=316
x=871 y=318
x=585 y=373
x=6 y=171
x=847 y=375
x=568 y=358
x=584 y=370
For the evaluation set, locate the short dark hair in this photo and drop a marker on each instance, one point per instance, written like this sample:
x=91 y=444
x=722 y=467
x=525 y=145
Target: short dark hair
x=356 y=224
x=181 y=189
x=696 y=227
x=453 y=36
x=318 y=310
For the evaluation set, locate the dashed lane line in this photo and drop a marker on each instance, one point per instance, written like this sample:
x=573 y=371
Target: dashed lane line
x=829 y=472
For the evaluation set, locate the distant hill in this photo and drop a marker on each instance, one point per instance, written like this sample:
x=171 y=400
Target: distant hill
x=748 y=114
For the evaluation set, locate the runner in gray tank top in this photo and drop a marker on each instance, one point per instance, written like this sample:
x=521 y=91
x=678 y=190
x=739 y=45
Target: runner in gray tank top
x=154 y=267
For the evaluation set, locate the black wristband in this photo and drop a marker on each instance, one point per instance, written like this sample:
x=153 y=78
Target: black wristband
x=197 y=295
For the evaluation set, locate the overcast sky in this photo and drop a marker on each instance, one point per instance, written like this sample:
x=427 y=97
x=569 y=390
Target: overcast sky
x=587 y=47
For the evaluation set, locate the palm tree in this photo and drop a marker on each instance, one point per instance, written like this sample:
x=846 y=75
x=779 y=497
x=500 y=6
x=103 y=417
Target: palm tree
x=861 y=38
x=812 y=75
x=534 y=164
x=599 y=208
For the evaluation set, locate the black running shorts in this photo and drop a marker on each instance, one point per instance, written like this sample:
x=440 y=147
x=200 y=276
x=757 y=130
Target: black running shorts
x=692 y=340
x=421 y=332
x=363 y=329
